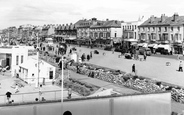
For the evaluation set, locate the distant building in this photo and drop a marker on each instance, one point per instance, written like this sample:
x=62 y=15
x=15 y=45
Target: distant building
x=130 y=29
x=109 y=29
x=83 y=30
x=97 y=29
x=164 y=30
x=65 y=32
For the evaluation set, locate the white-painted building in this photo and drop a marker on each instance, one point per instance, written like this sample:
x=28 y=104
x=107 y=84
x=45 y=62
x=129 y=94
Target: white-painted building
x=16 y=55
x=130 y=30
x=29 y=71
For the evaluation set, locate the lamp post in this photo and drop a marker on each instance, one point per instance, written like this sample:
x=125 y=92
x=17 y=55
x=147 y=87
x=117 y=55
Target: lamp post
x=62 y=50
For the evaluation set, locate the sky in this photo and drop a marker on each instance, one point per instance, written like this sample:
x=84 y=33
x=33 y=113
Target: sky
x=40 y=12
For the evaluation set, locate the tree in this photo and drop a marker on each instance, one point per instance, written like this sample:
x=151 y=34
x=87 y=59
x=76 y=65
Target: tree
x=62 y=48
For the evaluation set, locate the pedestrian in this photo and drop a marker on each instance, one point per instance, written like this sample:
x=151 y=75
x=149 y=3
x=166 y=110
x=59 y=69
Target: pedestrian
x=70 y=51
x=88 y=57
x=133 y=68
x=69 y=92
x=145 y=56
x=8 y=95
x=90 y=54
x=180 y=66
x=16 y=88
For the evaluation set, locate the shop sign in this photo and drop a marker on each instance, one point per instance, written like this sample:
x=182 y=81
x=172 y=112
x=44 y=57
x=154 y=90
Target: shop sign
x=32 y=52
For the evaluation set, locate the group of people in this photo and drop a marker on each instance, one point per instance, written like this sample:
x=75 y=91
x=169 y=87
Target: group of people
x=88 y=57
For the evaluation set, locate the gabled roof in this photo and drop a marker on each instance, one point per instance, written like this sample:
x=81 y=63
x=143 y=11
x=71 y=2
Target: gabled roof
x=107 y=24
x=168 y=21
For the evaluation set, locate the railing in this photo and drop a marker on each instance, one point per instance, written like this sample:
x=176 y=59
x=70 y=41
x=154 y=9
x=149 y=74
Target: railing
x=22 y=98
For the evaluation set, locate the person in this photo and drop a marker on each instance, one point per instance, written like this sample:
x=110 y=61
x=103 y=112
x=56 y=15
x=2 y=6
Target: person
x=181 y=66
x=69 y=92
x=70 y=51
x=91 y=54
x=145 y=56
x=16 y=88
x=133 y=68
x=8 y=95
x=88 y=57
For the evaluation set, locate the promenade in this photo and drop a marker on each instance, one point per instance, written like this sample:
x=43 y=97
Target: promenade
x=153 y=67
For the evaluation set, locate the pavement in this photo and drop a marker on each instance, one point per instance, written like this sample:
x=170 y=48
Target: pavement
x=154 y=68
x=29 y=93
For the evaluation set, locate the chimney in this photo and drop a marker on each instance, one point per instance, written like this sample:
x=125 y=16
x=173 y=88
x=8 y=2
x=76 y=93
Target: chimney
x=175 y=16
x=94 y=19
x=107 y=19
x=162 y=17
x=152 y=19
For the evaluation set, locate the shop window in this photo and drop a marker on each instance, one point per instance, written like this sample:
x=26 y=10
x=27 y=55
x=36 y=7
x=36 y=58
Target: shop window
x=22 y=59
x=17 y=60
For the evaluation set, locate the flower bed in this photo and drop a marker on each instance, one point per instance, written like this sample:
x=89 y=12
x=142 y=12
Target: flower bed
x=139 y=83
x=81 y=88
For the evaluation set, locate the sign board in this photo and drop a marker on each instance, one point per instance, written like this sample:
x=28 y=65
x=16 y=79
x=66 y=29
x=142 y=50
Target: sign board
x=32 y=52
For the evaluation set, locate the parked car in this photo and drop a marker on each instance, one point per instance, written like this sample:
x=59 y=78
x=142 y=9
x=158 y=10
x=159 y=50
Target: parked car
x=143 y=49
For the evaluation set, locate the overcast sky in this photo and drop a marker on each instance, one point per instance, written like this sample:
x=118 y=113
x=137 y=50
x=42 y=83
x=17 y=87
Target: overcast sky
x=39 y=12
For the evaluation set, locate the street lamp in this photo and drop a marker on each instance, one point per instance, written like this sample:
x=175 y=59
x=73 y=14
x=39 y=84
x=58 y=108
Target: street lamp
x=62 y=50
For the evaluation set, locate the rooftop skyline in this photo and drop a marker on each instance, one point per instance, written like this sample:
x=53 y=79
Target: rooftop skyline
x=40 y=12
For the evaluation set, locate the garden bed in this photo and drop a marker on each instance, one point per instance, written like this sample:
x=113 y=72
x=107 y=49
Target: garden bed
x=142 y=84
x=82 y=88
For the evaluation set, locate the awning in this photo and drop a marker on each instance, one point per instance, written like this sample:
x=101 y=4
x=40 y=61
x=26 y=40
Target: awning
x=151 y=45
x=48 y=39
x=130 y=40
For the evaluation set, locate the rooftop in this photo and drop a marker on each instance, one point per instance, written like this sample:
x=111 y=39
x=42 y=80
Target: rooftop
x=164 y=21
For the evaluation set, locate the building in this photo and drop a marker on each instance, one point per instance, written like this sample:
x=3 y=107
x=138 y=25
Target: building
x=16 y=55
x=29 y=71
x=109 y=29
x=68 y=31
x=22 y=60
x=130 y=30
x=47 y=31
x=165 y=29
x=83 y=29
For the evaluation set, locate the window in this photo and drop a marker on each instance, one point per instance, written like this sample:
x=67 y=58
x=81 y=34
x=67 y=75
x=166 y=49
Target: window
x=17 y=60
x=148 y=28
x=153 y=28
x=22 y=59
x=115 y=35
x=165 y=29
x=135 y=27
x=171 y=28
x=178 y=28
x=159 y=29
x=172 y=38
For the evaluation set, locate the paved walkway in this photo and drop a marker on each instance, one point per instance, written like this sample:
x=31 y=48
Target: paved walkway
x=153 y=67
x=29 y=92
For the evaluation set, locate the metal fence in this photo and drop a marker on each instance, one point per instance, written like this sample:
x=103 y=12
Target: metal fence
x=31 y=97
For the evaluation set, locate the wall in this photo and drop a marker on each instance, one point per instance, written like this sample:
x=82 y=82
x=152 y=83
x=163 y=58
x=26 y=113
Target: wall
x=146 y=104
x=118 y=32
